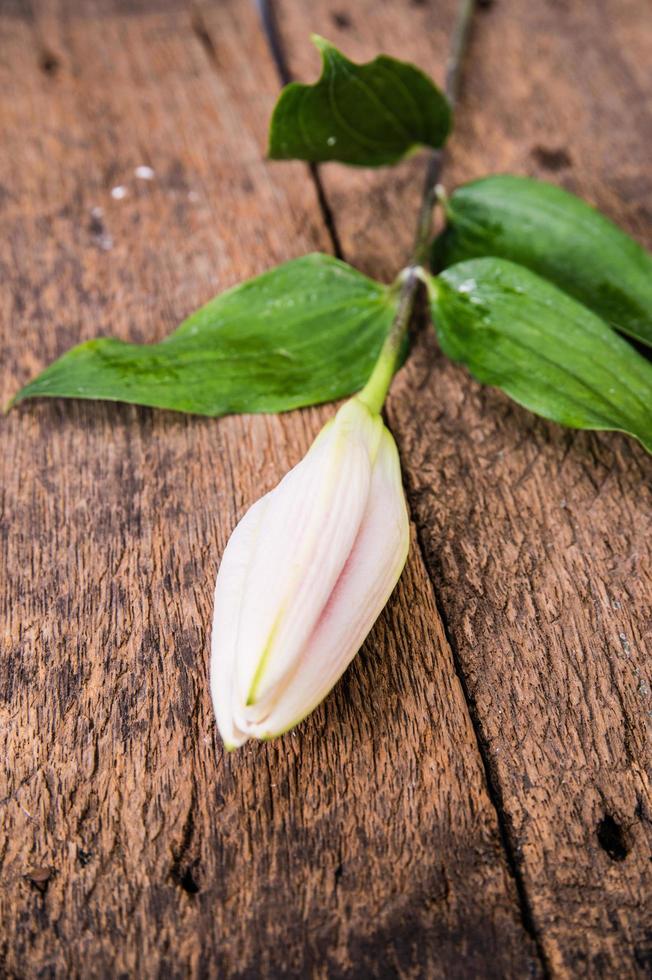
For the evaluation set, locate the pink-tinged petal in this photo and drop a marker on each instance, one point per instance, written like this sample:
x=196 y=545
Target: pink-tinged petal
x=366 y=581
x=309 y=528
x=229 y=593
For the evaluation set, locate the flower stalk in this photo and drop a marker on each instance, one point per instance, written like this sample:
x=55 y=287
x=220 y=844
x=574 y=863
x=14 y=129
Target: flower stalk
x=375 y=391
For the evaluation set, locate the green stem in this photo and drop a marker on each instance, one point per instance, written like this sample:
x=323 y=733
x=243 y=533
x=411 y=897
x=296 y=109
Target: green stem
x=459 y=41
x=375 y=391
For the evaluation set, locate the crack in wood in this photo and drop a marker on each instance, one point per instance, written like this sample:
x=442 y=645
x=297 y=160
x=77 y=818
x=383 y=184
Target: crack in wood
x=269 y=25
x=492 y=781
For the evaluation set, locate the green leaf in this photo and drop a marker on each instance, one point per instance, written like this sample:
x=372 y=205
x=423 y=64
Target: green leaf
x=367 y=115
x=558 y=236
x=308 y=331
x=550 y=353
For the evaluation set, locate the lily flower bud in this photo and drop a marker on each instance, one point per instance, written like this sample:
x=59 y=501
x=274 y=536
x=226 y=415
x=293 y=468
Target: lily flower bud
x=305 y=574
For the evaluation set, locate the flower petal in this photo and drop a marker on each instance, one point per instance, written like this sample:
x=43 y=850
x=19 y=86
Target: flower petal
x=229 y=591
x=309 y=529
x=362 y=590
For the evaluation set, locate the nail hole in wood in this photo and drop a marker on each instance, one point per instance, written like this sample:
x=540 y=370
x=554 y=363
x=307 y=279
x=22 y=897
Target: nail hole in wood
x=552 y=158
x=611 y=838
x=186 y=880
x=40 y=878
x=49 y=63
x=341 y=20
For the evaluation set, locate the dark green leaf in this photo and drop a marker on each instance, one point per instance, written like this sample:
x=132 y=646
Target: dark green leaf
x=520 y=333
x=306 y=332
x=367 y=115
x=558 y=236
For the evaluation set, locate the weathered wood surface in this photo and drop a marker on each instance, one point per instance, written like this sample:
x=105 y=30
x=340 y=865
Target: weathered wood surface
x=443 y=803
x=365 y=845
x=538 y=540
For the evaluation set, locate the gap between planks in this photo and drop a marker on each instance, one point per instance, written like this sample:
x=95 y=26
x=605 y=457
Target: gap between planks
x=267 y=18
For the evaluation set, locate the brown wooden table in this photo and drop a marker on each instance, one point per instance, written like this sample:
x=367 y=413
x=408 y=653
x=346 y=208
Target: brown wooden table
x=474 y=798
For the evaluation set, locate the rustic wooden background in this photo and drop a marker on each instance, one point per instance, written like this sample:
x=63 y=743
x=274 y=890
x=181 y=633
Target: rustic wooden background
x=474 y=798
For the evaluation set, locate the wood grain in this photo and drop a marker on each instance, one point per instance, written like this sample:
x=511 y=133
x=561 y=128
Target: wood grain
x=366 y=844
x=537 y=540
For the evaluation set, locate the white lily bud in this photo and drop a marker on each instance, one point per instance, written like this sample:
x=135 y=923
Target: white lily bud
x=304 y=576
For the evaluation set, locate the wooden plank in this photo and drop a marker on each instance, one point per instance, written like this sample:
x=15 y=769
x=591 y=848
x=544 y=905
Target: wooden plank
x=366 y=844
x=538 y=540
